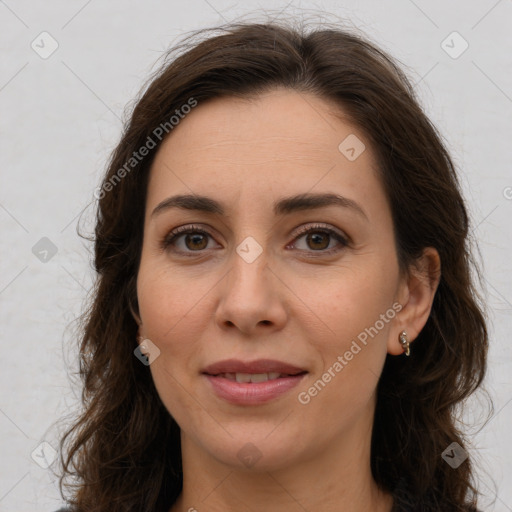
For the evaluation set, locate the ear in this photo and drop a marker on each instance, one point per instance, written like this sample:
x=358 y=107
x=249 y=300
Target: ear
x=416 y=295
x=139 y=322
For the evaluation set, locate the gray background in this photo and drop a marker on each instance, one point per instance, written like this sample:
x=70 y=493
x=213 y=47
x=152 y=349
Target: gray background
x=61 y=117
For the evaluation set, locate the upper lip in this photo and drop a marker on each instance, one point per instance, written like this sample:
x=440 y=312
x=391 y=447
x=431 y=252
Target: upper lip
x=258 y=366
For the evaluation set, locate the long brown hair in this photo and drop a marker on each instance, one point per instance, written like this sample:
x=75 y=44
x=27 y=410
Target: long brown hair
x=124 y=448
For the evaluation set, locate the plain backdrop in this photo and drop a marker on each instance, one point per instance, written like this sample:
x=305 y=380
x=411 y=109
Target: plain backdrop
x=61 y=116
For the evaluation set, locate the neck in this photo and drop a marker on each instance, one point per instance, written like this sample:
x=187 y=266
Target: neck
x=338 y=478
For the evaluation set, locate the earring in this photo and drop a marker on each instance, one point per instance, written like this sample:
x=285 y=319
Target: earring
x=404 y=342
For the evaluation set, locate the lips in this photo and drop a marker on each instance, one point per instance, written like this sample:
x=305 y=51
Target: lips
x=253 y=377
x=252 y=383
x=261 y=366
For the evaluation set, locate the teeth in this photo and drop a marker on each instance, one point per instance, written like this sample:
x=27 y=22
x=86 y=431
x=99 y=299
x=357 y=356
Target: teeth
x=244 y=377
x=251 y=377
x=258 y=377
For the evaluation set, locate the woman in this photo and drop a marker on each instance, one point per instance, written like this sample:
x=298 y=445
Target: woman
x=284 y=316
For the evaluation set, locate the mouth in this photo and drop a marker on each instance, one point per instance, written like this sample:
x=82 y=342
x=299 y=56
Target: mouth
x=252 y=383
x=258 y=367
x=255 y=377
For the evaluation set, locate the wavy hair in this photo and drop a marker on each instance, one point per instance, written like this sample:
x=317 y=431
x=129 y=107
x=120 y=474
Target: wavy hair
x=123 y=449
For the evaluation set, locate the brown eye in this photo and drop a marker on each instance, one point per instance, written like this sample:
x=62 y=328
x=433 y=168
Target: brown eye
x=186 y=240
x=319 y=239
x=195 y=241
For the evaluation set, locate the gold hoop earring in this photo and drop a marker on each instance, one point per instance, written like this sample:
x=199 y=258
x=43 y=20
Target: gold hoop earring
x=404 y=342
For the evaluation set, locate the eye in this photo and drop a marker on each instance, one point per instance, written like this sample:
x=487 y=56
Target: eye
x=186 y=239
x=318 y=238
x=191 y=239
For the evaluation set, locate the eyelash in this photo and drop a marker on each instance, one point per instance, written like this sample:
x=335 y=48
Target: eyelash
x=171 y=238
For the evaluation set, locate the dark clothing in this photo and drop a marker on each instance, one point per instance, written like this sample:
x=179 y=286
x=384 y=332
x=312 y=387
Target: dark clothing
x=397 y=508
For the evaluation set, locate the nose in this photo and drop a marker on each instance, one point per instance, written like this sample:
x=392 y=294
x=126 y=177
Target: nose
x=251 y=297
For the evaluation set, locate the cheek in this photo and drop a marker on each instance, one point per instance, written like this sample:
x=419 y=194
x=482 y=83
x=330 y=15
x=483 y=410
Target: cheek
x=352 y=356
x=357 y=313
x=172 y=320
x=170 y=305
x=351 y=302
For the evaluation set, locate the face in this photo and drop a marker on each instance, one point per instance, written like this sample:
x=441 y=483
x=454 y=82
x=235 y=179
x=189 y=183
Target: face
x=298 y=288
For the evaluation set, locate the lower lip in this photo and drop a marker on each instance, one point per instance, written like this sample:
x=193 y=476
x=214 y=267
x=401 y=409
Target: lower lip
x=249 y=393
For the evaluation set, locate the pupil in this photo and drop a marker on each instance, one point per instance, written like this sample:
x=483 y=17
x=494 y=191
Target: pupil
x=195 y=238
x=315 y=238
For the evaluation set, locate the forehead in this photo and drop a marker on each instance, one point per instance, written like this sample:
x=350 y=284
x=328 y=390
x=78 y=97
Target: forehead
x=280 y=140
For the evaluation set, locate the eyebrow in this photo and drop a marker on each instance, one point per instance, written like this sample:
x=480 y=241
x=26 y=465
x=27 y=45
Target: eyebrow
x=286 y=205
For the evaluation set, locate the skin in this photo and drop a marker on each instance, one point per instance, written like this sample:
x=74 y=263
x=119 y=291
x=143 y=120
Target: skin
x=214 y=305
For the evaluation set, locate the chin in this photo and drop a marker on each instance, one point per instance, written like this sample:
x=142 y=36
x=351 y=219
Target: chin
x=251 y=452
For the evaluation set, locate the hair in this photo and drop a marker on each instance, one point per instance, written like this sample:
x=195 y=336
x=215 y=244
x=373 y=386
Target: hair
x=124 y=447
